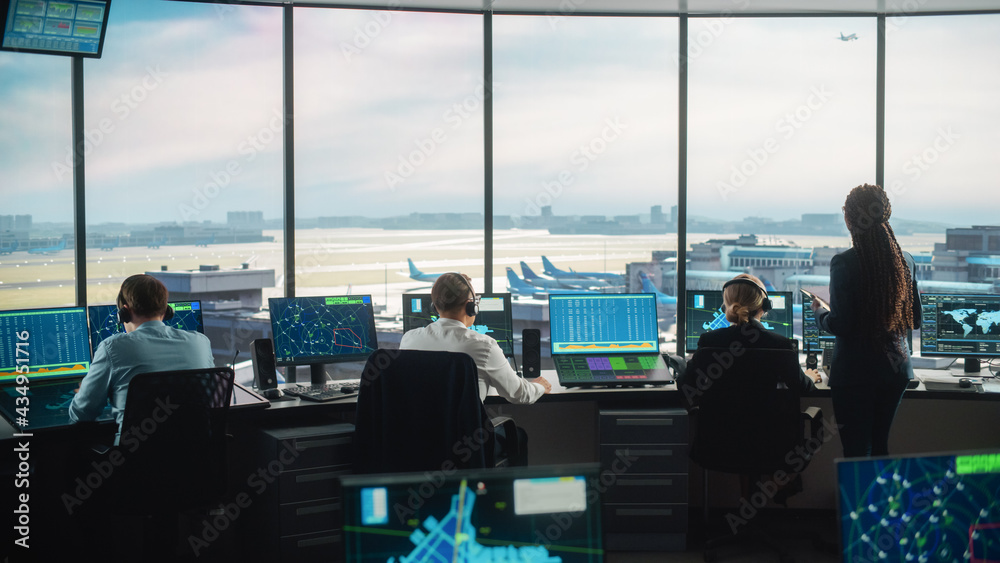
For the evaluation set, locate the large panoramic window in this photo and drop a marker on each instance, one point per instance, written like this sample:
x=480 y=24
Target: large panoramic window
x=781 y=127
x=942 y=139
x=36 y=222
x=184 y=150
x=585 y=154
x=388 y=151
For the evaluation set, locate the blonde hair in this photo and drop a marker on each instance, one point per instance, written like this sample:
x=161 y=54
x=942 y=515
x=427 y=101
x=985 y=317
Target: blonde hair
x=742 y=301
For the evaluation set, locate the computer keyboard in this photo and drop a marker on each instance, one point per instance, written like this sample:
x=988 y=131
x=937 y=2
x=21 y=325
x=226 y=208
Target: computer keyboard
x=326 y=392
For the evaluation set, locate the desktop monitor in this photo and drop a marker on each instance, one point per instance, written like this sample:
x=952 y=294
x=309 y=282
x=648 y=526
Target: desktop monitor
x=939 y=507
x=815 y=339
x=44 y=344
x=538 y=513
x=494 y=318
x=960 y=325
x=703 y=312
x=64 y=27
x=619 y=323
x=322 y=330
x=104 y=320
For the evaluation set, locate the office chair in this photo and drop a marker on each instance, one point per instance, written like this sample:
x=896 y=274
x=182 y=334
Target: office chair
x=749 y=424
x=421 y=411
x=173 y=442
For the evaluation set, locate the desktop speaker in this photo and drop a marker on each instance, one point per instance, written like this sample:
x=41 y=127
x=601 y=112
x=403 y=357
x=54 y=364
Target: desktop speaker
x=811 y=360
x=265 y=374
x=531 y=352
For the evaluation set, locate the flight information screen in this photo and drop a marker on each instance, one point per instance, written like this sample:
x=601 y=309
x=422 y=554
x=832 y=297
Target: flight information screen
x=104 y=320
x=50 y=342
x=493 y=320
x=960 y=325
x=703 y=312
x=603 y=323
x=318 y=330
x=63 y=27
x=814 y=338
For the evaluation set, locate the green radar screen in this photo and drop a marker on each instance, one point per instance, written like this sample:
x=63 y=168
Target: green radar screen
x=921 y=509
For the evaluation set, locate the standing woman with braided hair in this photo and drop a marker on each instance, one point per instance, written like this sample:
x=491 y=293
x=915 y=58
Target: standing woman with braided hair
x=873 y=303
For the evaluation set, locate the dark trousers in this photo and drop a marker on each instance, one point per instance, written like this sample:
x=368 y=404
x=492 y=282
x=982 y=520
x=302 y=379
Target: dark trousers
x=864 y=415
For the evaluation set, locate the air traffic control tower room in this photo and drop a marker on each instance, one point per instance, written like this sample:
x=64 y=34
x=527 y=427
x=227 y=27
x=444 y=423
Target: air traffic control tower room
x=498 y=280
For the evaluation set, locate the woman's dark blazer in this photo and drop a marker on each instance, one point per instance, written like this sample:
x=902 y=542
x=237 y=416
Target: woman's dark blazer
x=857 y=360
x=753 y=335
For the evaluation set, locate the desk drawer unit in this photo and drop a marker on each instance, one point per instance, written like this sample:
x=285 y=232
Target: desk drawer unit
x=644 y=479
x=299 y=512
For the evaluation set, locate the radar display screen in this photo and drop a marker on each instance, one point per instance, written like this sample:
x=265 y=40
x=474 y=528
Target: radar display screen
x=322 y=330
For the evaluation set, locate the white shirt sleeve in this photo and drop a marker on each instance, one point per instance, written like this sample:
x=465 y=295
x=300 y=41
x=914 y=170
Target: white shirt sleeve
x=497 y=373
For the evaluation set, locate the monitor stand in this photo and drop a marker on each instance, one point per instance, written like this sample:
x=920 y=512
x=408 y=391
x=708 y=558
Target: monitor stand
x=972 y=365
x=317 y=374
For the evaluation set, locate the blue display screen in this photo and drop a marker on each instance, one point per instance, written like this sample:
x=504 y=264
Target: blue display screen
x=104 y=320
x=68 y=27
x=51 y=342
x=604 y=323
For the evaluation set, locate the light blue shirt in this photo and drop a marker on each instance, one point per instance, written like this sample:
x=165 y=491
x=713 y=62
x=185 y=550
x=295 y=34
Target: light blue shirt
x=153 y=346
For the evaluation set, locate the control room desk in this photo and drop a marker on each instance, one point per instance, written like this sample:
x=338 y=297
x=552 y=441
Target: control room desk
x=563 y=427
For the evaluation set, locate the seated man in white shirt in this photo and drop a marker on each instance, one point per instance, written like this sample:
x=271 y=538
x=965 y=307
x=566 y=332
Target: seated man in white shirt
x=456 y=303
x=147 y=346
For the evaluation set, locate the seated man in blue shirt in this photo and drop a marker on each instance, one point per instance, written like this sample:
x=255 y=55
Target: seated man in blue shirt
x=147 y=346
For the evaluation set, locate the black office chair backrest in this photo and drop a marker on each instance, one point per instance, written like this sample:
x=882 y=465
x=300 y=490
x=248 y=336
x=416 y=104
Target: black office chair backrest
x=173 y=437
x=421 y=411
x=747 y=421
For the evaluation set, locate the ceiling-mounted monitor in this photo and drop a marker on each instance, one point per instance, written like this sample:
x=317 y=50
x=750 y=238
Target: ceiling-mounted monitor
x=51 y=27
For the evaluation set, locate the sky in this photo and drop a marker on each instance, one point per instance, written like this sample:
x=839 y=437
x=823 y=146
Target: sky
x=183 y=116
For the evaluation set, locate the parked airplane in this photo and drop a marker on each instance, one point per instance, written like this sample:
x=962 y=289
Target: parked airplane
x=661 y=298
x=205 y=241
x=49 y=249
x=564 y=283
x=517 y=286
x=10 y=248
x=155 y=243
x=549 y=269
x=111 y=245
x=420 y=276
x=851 y=37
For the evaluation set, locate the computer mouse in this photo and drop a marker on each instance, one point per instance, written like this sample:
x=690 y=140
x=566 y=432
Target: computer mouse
x=347 y=389
x=965 y=383
x=274 y=393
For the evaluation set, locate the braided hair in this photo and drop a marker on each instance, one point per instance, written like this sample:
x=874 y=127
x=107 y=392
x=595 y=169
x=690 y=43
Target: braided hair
x=887 y=294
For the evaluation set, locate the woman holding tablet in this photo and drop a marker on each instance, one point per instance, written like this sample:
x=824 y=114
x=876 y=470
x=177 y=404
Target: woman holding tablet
x=873 y=303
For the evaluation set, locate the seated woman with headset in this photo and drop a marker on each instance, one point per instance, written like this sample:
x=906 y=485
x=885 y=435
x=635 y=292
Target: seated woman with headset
x=745 y=302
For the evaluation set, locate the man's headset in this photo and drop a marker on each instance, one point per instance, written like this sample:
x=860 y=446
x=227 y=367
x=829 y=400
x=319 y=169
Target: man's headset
x=765 y=306
x=125 y=315
x=472 y=307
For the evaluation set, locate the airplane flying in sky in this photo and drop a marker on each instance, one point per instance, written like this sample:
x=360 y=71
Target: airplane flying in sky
x=851 y=37
x=549 y=269
x=559 y=283
x=416 y=274
x=49 y=249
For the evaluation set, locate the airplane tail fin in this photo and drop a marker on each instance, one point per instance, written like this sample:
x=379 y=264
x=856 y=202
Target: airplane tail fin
x=515 y=282
x=768 y=286
x=528 y=274
x=413 y=269
x=549 y=268
x=647 y=284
